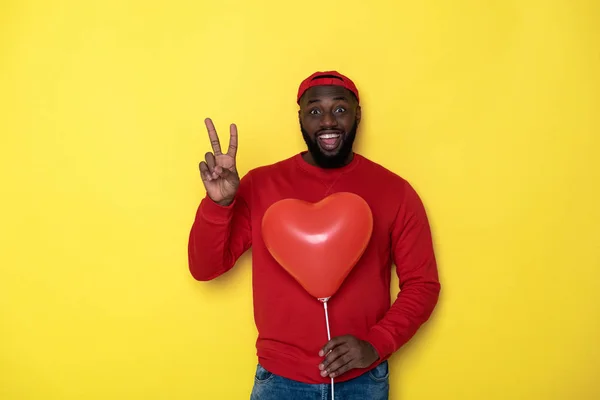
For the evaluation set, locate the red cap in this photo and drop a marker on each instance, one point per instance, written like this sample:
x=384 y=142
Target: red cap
x=327 y=78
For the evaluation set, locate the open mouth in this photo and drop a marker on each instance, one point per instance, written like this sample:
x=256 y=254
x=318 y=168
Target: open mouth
x=329 y=140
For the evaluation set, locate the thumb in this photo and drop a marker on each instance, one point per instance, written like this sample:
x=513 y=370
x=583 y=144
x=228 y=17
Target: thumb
x=226 y=174
x=222 y=172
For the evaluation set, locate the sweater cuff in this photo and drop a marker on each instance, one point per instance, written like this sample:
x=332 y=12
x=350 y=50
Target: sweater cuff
x=213 y=212
x=382 y=341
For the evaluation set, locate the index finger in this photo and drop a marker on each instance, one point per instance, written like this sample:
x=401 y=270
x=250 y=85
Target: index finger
x=214 y=138
x=332 y=344
x=233 y=141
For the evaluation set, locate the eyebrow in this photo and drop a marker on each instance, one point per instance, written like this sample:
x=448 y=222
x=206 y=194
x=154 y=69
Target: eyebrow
x=311 y=101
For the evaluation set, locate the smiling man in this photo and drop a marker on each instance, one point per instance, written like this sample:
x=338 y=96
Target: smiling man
x=294 y=362
x=329 y=117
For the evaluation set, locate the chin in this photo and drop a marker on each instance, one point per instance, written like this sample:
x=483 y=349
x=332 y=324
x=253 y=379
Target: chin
x=330 y=153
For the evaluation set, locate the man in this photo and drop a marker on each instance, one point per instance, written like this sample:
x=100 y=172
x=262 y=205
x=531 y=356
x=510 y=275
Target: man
x=295 y=362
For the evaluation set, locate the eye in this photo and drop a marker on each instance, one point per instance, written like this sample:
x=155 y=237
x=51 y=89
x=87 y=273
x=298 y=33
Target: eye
x=340 y=109
x=315 y=111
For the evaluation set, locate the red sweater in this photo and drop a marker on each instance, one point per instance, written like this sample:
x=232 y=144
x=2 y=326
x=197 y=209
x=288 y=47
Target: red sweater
x=290 y=322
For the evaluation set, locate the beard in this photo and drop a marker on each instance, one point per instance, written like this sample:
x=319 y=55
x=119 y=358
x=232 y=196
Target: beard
x=336 y=160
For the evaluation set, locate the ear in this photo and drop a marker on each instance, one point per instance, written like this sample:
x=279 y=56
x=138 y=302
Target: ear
x=358 y=114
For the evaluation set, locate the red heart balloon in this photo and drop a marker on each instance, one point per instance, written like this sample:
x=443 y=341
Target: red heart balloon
x=318 y=243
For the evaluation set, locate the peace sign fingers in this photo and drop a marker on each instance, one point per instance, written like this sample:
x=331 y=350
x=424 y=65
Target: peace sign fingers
x=219 y=173
x=216 y=143
x=233 y=141
x=214 y=138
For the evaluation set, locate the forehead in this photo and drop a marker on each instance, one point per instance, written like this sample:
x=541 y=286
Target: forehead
x=329 y=92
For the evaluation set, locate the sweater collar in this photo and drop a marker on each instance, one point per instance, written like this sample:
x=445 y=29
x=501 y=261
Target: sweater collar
x=326 y=172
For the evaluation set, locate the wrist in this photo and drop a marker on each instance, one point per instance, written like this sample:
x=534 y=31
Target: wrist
x=225 y=203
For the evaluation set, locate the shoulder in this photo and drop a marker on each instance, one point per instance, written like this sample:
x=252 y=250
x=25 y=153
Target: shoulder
x=392 y=186
x=382 y=173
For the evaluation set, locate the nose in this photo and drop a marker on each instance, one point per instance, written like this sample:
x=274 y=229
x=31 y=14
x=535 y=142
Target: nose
x=328 y=120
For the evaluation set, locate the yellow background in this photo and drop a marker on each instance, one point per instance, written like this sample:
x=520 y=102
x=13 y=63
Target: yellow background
x=490 y=108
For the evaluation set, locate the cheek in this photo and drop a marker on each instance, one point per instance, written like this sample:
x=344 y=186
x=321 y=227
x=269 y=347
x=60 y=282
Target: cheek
x=347 y=121
x=310 y=126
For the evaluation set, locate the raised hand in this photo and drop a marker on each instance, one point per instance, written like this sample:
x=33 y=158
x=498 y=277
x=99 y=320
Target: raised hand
x=218 y=171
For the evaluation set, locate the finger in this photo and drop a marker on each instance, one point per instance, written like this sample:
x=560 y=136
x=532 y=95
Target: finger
x=332 y=344
x=233 y=141
x=342 y=369
x=204 y=172
x=335 y=363
x=214 y=138
x=210 y=161
x=220 y=171
x=332 y=357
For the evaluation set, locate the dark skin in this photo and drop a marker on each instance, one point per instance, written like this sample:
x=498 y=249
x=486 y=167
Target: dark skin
x=218 y=170
x=334 y=109
x=329 y=109
x=345 y=353
x=323 y=109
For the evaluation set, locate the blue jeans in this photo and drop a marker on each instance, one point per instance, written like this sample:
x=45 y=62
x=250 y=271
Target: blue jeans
x=372 y=385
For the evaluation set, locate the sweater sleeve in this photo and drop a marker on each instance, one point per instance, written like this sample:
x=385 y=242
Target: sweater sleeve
x=220 y=234
x=413 y=255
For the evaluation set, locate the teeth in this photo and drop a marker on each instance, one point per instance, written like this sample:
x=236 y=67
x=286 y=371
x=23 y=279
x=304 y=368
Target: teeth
x=329 y=136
